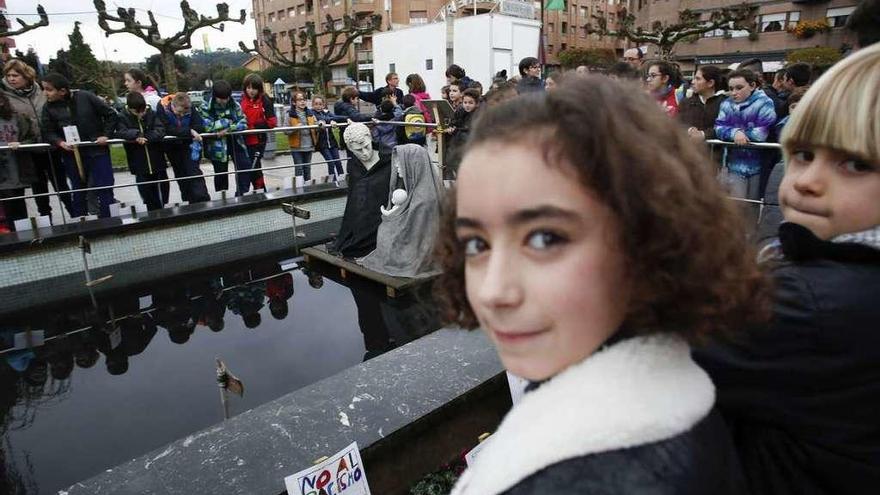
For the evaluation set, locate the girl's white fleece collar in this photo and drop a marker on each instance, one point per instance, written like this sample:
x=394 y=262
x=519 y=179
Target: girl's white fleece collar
x=637 y=391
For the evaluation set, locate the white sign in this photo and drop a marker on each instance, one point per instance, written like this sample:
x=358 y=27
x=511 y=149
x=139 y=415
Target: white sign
x=516 y=8
x=474 y=452
x=71 y=134
x=365 y=66
x=342 y=474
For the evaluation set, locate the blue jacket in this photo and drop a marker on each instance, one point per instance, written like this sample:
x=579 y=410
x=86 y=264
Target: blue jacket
x=755 y=117
x=347 y=110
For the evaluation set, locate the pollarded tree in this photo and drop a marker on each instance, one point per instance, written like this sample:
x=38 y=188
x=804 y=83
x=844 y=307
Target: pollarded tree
x=5 y=26
x=149 y=33
x=317 y=64
x=665 y=35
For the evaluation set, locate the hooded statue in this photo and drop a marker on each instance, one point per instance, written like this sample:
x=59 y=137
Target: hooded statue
x=405 y=239
x=368 y=179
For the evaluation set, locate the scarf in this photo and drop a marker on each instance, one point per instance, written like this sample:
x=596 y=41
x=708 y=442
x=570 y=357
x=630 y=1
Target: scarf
x=23 y=93
x=870 y=238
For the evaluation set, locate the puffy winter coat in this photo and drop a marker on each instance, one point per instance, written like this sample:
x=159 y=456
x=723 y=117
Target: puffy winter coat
x=260 y=114
x=28 y=103
x=16 y=167
x=216 y=119
x=755 y=117
x=802 y=394
x=633 y=418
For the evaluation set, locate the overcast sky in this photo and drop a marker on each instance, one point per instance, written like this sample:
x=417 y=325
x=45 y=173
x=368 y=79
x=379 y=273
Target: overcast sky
x=122 y=47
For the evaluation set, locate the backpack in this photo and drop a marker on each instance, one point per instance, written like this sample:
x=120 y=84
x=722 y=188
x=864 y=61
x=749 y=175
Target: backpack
x=414 y=132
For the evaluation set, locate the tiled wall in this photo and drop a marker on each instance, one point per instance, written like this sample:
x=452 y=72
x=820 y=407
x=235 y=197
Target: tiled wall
x=60 y=260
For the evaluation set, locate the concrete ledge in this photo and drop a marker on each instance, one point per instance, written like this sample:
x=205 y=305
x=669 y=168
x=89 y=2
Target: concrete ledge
x=394 y=406
x=18 y=241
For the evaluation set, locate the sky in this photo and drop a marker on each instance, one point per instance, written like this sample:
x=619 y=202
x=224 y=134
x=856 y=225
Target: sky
x=122 y=47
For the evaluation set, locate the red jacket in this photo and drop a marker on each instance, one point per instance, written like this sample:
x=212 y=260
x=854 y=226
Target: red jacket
x=260 y=114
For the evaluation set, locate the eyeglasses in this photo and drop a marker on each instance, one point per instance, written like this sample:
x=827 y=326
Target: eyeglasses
x=651 y=76
x=630 y=59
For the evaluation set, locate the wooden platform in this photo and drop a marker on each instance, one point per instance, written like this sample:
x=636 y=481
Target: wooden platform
x=393 y=285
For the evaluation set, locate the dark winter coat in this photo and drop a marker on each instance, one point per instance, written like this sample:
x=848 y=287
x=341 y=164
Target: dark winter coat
x=636 y=417
x=347 y=110
x=326 y=138
x=376 y=96
x=92 y=116
x=461 y=121
x=529 y=84
x=180 y=127
x=802 y=394
x=694 y=113
x=142 y=159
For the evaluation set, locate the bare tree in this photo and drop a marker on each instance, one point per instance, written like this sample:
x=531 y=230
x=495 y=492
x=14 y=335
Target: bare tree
x=314 y=62
x=666 y=35
x=149 y=33
x=5 y=25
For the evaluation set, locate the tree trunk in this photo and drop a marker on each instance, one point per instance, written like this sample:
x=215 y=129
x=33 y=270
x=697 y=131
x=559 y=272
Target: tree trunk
x=170 y=72
x=318 y=80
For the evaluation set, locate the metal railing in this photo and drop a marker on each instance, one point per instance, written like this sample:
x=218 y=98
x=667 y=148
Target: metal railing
x=208 y=135
x=287 y=129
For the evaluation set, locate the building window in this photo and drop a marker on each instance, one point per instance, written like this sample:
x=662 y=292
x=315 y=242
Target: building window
x=551 y=28
x=392 y=68
x=793 y=19
x=564 y=27
x=772 y=23
x=418 y=16
x=584 y=12
x=272 y=17
x=550 y=49
x=301 y=9
x=280 y=14
x=837 y=17
x=338 y=24
x=325 y=4
x=283 y=34
x=291 y=12
x=584 y=31
x=429 y=64
x=563 y=47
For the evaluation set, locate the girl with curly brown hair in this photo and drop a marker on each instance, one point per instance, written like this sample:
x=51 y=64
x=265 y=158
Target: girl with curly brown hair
x=591 y=249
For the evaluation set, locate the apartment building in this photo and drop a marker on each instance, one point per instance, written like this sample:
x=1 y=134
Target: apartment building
x=775 y=30
x=563 y=29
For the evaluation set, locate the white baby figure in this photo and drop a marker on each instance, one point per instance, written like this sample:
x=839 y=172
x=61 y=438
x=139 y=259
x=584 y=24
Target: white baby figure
x=398 y=197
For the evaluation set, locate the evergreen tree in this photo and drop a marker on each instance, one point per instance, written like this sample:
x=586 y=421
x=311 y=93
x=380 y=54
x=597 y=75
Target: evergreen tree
x=79 y=64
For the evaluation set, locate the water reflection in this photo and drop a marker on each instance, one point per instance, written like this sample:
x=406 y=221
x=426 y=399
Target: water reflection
x=64 y=417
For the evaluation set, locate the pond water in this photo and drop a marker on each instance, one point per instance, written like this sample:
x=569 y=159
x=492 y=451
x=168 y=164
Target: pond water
x=112 y=382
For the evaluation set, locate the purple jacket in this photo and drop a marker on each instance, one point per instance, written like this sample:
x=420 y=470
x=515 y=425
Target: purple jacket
x=755 y=117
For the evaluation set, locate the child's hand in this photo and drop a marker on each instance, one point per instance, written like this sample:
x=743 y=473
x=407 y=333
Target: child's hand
x=196 y=136
x=102 y=140
x=740 y=138
x=13 y=145
x=222 y=132
x=63 y=145
x=141 y=141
